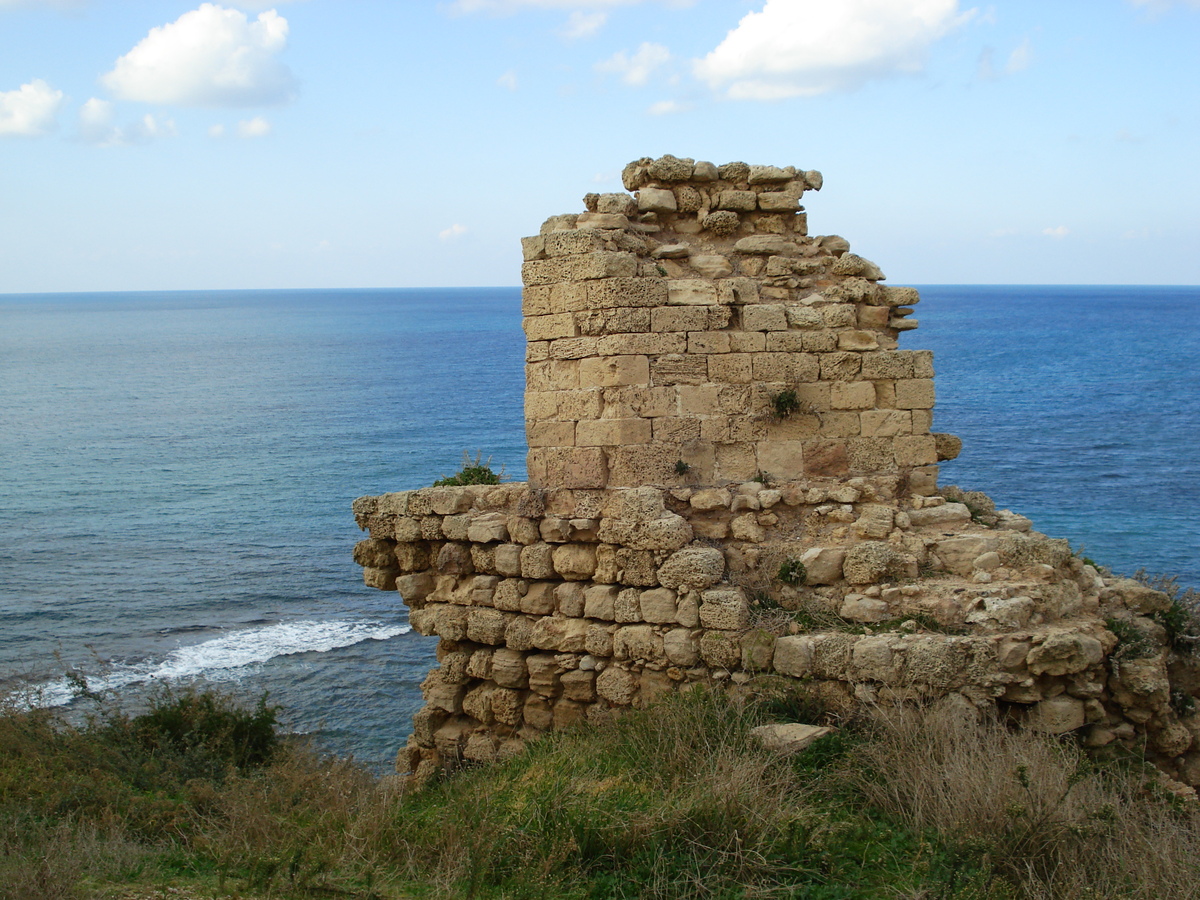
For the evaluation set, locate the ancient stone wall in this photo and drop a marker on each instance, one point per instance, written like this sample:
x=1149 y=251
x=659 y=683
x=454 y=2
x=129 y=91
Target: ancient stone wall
x=699 y=329
x=683 y=524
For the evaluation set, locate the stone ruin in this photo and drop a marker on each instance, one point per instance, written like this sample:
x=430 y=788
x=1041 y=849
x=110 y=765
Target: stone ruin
x=733 y=480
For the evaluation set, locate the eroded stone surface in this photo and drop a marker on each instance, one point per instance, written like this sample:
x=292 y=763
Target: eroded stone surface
x=732 y=473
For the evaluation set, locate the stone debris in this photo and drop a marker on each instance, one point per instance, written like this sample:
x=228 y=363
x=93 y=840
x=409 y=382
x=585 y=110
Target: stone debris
x=732 y=473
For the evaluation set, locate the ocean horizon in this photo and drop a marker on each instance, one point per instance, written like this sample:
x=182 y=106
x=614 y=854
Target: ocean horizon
x=177 y=467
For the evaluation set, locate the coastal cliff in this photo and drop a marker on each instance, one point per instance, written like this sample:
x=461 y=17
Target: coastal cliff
x=733 y=478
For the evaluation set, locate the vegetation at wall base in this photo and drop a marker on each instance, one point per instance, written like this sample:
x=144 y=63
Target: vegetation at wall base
x=473 y=471
x=674 y=801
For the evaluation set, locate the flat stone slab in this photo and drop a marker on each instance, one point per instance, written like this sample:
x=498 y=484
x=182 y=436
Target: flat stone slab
x=789 y=738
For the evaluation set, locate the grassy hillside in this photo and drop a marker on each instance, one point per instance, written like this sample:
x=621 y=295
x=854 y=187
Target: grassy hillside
x=199 y=797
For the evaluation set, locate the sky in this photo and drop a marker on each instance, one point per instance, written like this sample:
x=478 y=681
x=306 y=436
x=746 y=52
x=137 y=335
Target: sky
x=160 y=145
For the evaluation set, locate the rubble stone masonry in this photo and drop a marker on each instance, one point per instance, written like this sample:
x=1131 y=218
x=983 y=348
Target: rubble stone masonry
x=732 y=478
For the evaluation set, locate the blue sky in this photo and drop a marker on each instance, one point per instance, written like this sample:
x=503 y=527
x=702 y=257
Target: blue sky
x=351 y=143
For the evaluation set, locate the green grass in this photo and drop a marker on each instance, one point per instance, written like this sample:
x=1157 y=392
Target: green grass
x=675 y=801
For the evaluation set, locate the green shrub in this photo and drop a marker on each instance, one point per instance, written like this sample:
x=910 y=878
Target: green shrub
x=792 y=571
x=473 y=471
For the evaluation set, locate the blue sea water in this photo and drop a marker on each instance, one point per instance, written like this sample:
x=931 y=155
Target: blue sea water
x=177 y=469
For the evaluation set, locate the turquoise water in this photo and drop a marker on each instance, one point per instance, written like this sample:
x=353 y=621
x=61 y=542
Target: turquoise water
x=177 y=469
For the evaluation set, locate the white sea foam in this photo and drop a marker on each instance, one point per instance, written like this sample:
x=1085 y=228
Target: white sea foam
x=223 y=656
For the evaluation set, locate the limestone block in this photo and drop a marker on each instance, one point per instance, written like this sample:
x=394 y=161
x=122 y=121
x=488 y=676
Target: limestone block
x=794 y=655
x=763 y=245
x=658 y=606
x=554 y=529
x=738 y=201
x=543 y=674
x=569 y=599
x=789 y=738
x=874 y=521
x=859 y=608
x=650 y=344
x=486 y=626
x=746 y=528
x=873 y=318
x=893 y=364
x=560 y=633
x=688 y=610
x=874 y=659
x=488 y=527
x=636 y=567
x=858 y=341
x=721 y=649
x=637 y=464
x=885 y=422
x=537 y=713
x=547 y=328
x=725 y=608
x=626 y=292
x=1058 y=715
x=681 y=647
x=598 y=264
x=477 y=703
x=875 y=561
x=826 y=458
x=610 y=432
x=614 y=370
x=780 y=459
x=914 y=393
x=851 y=395
x=537 y=561
x=850 y=264
x=945 y=515
x=1063 y=653
x=915 y=450
x=538 y=599
x=673 y=429
x=958 y=554
x=518 y=633
x=407 y=529
x=599 y=602
x=1134 y=596
x=823 y=565
x=711 y=265
x=656 y=200
x=574 y=562
x=747 y=342
x=947 y=446
x=599 y=640
x=628 y=607
x=612 y=321
x=765 y=317
x=579 y=685
x=571 y=467
x=414 y=588
x=637 y=642
x=638 y=402
x=758 y=647
x=710 y=498
x=840 y=366
x=786 y=368
x=778 y=201
x=616 y=685
x=702 y=342
x=692 y=568
x=381 y=579
x=1004 y=612
x=440 y=695
x=552 y=375
x=691 y=292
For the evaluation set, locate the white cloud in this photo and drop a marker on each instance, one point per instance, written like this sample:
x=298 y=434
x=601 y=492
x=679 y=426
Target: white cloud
x=454 y=231
x=29 y=111
x=1020 y=59
x=210 y=56
x=97 y=125
x=508 y=80
x=1059 y=232
x=216 y=131
x=464 y=7
x=1159 y=5
x=582 y=24
x=801 y=48
x=666 y=108
x=636 y=70
x=253 y=128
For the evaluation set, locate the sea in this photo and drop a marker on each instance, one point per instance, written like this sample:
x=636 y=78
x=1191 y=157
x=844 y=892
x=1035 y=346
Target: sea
x=177 y=470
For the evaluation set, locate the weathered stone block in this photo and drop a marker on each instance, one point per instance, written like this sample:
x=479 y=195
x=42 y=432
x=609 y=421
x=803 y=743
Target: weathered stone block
x=914 y=393
x=691 y=292
x=725 y=608
x=574 y=562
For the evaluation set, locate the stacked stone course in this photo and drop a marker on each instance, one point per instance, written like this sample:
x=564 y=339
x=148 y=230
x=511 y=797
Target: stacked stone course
x=677 y=512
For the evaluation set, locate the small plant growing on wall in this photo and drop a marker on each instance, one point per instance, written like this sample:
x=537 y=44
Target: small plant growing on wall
x=473 y=471
x=682 y=468
x=785 y=403
x=792 y=571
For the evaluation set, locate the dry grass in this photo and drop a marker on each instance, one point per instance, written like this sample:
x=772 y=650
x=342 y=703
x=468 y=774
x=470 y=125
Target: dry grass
x=1045 y=817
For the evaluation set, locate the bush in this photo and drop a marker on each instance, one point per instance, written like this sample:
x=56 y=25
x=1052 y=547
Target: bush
x=473 y=471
